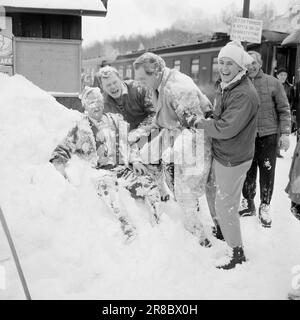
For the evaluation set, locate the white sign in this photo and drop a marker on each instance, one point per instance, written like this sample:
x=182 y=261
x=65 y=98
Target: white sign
x=244 y=29
x=2 y=277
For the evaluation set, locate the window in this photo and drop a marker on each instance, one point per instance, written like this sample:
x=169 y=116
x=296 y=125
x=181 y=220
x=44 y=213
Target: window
x=177 y=65
x=121 y=71
x=128 y=71
x=195 y=67
x=214 y=70
x=36 y=25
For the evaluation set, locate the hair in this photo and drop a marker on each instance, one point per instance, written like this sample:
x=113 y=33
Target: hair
x=151 y=63
x=106 y=71
x=86 y=95
x=257 y=56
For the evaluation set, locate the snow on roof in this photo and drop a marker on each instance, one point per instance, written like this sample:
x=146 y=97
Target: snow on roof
x=87 y=7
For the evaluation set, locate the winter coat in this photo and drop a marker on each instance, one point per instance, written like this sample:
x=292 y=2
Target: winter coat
x=135 y=105
x=179 y=101
x=234 y=123
x=103 y=144
x=296 y=107
x=274 y=113
x=293 y=187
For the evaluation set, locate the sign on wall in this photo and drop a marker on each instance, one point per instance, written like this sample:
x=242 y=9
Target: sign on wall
x=248 y=30
x=6 y=47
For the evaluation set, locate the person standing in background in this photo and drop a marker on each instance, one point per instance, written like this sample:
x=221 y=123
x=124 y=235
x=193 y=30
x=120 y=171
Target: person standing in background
x=273 y=116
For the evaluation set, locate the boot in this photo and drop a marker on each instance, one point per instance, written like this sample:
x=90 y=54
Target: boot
x=264 y=215
x=217 y=233
x=247 y=208
x=295 y=209
x=237 y=257
x=294 y=294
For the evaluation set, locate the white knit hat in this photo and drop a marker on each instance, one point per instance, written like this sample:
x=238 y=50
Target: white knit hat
x=235 y=51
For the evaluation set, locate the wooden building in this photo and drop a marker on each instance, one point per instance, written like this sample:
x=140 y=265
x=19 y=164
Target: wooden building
x=46 y=41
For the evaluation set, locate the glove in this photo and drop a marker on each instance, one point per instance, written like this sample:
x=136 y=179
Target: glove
x=139 y=168
x=284 y=142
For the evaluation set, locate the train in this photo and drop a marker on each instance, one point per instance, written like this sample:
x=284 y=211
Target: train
x=199 y=60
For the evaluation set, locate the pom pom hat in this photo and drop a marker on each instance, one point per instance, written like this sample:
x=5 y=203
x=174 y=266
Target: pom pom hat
x=235 y=51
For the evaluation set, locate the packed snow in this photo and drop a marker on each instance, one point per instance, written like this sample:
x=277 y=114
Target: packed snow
x=71 y=247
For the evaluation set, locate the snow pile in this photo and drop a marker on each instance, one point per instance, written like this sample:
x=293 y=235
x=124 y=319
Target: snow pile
x=71 y=247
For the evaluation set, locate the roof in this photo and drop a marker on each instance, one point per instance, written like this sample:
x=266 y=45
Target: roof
x=71 y=7
x=292 y=39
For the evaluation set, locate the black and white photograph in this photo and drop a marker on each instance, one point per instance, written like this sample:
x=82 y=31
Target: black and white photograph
x=149 y=150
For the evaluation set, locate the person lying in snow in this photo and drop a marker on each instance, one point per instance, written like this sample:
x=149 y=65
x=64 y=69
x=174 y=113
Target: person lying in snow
x=101 y=139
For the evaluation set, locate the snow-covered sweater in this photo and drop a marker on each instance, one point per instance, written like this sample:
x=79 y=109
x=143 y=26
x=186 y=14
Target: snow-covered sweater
x=101 y=143
x=179 y=101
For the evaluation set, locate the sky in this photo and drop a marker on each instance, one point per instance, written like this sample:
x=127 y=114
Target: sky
x=127 y=17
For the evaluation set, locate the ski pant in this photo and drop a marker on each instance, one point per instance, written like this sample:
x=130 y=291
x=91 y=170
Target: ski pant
x=188 y=185
x=225 y=185
x=141 y=186
x=265 y=160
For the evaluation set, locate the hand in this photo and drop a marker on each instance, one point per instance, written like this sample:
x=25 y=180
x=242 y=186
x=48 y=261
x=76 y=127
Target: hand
x=284 y=142
x=133 y=137
x=139 y=168
x=199 y=123
x=61 y=168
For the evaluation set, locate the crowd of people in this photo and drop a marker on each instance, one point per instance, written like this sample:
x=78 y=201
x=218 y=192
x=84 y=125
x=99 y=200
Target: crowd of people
x=242 y=132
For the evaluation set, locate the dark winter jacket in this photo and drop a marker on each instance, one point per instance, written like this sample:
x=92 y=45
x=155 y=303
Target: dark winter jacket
x=234 y=124
x=274 y=112
x=135 y=105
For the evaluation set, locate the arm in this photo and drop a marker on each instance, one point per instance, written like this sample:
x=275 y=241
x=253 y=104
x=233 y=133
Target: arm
x=146 y=125
x=282 y=108
x=232 y=120
x=190 y=105
x=80 y=141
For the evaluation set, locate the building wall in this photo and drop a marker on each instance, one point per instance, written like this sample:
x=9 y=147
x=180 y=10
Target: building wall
x=52 y=64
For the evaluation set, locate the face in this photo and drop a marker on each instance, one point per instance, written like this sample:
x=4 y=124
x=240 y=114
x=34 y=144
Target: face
x=254 y=67
x=149 y=81
x=94 y=108
x=228 y=69
x=112 y=85
x=282 y=76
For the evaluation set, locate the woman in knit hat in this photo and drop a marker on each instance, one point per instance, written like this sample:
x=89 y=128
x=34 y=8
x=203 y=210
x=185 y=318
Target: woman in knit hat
x=233 y=131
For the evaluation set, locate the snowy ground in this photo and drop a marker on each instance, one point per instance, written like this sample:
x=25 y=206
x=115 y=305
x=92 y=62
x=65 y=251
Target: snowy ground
x=71 y=247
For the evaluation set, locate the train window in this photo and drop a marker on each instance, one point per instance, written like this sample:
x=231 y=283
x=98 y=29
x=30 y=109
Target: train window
x=177 y=64
x=121 y=71
x=214 y=70
x=195 y=67
x=128 y=71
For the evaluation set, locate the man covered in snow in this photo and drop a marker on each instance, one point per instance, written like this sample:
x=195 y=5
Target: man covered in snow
x=273 y=116
x=233 y=131
x=178 y=101
x=129 y=99
x=101 y=139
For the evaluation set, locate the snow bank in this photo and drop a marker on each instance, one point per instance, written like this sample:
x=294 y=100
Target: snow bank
x=71 y=247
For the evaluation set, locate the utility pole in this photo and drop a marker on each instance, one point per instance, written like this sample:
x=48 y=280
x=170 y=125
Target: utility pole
x=246 y=10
